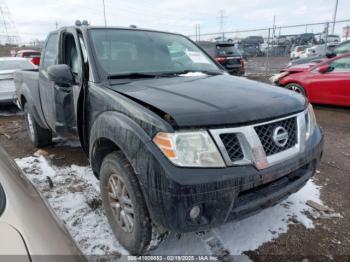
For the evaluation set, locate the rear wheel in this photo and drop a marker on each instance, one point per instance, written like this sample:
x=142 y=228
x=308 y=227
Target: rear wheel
x=296 y=88
x=124 y=204
x=39 y=136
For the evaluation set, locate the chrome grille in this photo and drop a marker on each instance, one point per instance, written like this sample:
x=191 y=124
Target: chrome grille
x=251 y=144
x=232 y=146
x=265 y=133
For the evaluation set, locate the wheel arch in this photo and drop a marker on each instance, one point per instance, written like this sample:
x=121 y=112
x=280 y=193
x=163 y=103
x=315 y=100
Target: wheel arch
x=113 y=131
x=298 y=83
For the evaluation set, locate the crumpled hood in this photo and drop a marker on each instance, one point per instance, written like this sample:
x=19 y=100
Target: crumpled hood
x=213 y=100
x=300 y=68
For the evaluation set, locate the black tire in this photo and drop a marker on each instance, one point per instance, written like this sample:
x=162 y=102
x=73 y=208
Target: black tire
x=296 y=88
x=39 y=136
x=137 y=241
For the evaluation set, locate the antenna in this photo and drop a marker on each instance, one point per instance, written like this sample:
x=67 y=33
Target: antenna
x=8 y=31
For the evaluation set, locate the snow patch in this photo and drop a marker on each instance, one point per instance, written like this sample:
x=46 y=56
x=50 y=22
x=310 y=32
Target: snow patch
x=193 y=74
x=75 y=197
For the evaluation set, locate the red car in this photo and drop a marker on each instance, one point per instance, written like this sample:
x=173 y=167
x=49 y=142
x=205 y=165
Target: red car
x=32 y=55
x=325 y=83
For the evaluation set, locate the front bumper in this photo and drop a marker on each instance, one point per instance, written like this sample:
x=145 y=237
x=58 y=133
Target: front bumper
x=224 y=194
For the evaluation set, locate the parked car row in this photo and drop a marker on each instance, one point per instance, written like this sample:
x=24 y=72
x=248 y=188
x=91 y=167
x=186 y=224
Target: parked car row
x=328 y=52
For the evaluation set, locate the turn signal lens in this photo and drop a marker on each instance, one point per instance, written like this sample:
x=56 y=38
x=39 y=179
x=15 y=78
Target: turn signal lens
x=163 y=141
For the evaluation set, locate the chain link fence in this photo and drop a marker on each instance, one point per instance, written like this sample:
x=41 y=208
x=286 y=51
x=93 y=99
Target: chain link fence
x=267 y=50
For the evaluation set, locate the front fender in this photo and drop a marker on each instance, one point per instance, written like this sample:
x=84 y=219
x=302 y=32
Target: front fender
x=125 y=133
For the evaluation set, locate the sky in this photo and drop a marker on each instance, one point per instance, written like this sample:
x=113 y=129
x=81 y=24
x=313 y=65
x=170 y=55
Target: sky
x=35 y=18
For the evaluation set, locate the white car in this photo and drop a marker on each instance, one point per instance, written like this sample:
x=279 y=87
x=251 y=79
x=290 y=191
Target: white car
x=297 y=51
x=8 y=65
x=308 y=52
x=329 y=39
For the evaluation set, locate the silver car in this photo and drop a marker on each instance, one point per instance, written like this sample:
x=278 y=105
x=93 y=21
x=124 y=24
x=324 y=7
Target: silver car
x=29 y=230
x=8 y=65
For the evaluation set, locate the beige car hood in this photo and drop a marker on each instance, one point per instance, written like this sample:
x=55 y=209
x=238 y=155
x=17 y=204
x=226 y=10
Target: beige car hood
x=11 y=243
x=28 y=213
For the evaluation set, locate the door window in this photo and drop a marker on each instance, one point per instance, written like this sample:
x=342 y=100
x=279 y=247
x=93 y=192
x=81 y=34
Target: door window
x=51 y=51
x=341 y=65
x=71 y=55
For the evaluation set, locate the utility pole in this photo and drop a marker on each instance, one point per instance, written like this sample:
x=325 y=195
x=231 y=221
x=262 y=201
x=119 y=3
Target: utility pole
x=5 y=25
x=274 y=27
x=221 y=19
x=104 y=12
x=196 y=32
x=56 y=25
x=199 y=32
x=8 y=32
x=335 y=15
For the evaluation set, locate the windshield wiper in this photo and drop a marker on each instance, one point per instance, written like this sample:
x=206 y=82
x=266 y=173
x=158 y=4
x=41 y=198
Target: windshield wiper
x=137 y=75
x=133 y=75
x=184 y=72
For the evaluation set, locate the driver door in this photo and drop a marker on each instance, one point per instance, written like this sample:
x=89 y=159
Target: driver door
x=333 y=87
x=67 y=97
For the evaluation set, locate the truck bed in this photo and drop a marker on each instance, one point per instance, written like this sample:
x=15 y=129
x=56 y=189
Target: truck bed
x=30 y=78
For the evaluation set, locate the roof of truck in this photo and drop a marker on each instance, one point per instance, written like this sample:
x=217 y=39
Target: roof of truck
x=88 y=27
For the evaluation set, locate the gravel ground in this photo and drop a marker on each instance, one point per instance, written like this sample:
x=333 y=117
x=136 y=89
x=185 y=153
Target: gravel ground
x=327 y=239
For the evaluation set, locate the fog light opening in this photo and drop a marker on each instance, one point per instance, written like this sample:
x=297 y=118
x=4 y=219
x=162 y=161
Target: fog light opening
x=195 y=212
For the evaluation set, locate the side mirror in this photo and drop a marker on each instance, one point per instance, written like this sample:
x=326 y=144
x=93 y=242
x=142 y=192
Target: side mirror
x=61 y=75
x=330 y=55
x=324 y=69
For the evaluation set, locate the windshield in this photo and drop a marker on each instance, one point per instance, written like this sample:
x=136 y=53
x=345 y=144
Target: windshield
x=226 y=50
x=121 y=51
x=15 y=65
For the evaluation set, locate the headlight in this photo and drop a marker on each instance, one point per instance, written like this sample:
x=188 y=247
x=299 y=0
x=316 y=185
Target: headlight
x=310 y=121
x=190 y=149
x=277 y=77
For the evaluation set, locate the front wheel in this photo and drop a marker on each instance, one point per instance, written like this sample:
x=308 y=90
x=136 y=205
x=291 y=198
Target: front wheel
x=296 y=88
x=40 y=137
x=124 y=204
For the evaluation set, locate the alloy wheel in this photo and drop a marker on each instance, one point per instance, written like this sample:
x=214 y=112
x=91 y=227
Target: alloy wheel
x=120 y=203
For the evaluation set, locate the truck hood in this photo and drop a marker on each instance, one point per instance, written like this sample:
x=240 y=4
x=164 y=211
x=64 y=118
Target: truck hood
x=213 y=100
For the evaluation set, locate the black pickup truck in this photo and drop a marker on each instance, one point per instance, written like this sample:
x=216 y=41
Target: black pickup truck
x=178 y=144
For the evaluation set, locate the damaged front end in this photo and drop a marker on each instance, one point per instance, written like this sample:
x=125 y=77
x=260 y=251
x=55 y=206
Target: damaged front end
x=182 y=198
